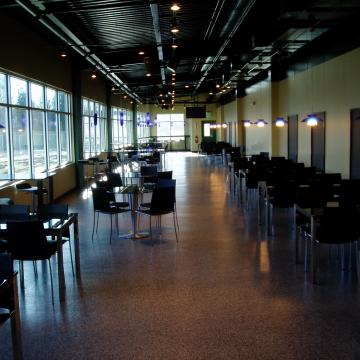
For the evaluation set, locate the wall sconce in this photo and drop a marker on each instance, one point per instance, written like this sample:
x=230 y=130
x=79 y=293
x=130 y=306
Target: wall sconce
x=311 y=120
x=260 y=123
x=247 y=123
x=280 y=122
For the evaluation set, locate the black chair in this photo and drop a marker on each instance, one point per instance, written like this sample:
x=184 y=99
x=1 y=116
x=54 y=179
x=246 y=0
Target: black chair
x=164 y=175
x=336 y=226
x=11 y=213
x=162 y=203
x=57 y=211
x=113 y=180
x=103 y=204
x=148 y=175
x=9 y=302
x=27 y=241
x=349 y=194
x=282 y=195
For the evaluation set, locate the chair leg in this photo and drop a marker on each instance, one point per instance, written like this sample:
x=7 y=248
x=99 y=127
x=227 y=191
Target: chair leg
x=150 y=229
x=51 y=281
x=110 y=227
x=97 y=222
x=71 y=258
x=93 y=229
x=174 y=218
x=21 y=270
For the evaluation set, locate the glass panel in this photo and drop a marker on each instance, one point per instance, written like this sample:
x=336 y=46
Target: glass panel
x=115 y=134
x=86 y=140
x=114 y=113
x=91 y=108
x=97 y=137
x=103 y=135
x=19 y=121
x=102 y=111
x=3 y=93
x=177 y=128
x=207 y=130
x=18 y=91
x=4 y=158
x=92 y=137
x=38 y=138
x=64 y=139
x=63 y=102
x=52 y=140
x=85 y=109
x=37 y=95
x=50 y=99
x=97 y=108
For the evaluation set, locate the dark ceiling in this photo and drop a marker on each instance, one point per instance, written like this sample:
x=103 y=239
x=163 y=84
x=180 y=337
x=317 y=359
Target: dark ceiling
x=231 y=43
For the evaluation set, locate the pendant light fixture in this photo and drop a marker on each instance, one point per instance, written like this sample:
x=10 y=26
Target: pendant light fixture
x=247 y=123
x=311 y=120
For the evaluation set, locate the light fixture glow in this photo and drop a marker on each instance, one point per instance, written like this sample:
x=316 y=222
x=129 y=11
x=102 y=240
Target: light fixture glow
x=148 y=74
x=260 y=123
x=311 y=120
x=224 y=126
x=141 y=52
x=247 y=123
x=174 y=29
x=175 y=7
x=217 y=86
x=63 y=54
x=280 y=122
x=93 y=75
x=211 y=93
x=187 y=86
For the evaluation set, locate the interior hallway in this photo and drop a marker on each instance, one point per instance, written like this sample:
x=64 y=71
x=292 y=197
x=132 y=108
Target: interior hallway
x=224 y=291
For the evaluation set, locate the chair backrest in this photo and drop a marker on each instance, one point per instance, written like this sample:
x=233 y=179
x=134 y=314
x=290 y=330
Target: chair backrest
x=164 y=174
x=23 y=185
x=166 y=183
x=26 y=239
x=350 y=192
x=163 y=200
x=148 y=170
x=101 y=199
x=114 y=179
x=339 y=225
x=14 y=212
x=53 y=211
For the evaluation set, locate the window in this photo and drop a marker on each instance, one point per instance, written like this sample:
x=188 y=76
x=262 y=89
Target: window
x=94 y=128
x=122 y=127
x=35 y=131
x=171 y=127
x=143 y=131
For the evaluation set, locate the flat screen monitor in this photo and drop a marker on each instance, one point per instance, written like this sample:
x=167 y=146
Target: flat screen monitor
x=195 y=112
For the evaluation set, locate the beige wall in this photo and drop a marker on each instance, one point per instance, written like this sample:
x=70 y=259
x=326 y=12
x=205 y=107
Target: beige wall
x=333 y=87
x=257 y=104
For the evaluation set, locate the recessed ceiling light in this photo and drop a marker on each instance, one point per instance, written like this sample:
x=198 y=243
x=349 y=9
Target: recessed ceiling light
x=174 y=29
x=93 y=75
x=173 y=83
x=210 y=93
x=161 y=95
x=63 y=54
x=148 y=74
x=217 y=86
x=175 y=7
x=187 y=86
x=125 y=97
x=141 y=52
x=228 y=87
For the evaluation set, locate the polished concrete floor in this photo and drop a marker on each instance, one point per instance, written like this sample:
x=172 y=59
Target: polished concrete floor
x=224 y=291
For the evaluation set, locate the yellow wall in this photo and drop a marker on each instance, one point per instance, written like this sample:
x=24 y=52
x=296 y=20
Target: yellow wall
x=257 y=104
x=333 y=87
